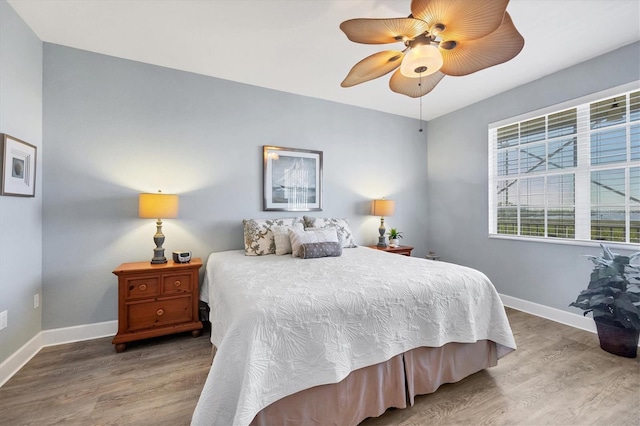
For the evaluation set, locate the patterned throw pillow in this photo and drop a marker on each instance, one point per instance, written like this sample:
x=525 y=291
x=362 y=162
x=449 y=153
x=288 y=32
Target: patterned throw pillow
x=315 y=236
x=316 y=250
x=281 y=237
x=342 y=226
x=258 y=238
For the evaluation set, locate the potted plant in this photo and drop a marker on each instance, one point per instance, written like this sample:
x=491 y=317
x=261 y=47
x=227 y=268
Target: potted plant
x=613 y=297
x=394 y=237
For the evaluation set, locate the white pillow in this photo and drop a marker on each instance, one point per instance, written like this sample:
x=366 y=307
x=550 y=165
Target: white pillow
x=281 y=237
x=298 y=238
x=341 y=225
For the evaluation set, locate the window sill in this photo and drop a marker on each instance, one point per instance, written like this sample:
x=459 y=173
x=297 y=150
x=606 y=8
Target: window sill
x=582 y=243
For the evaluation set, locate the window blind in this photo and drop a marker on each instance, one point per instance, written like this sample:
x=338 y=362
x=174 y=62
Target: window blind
x=571 y=173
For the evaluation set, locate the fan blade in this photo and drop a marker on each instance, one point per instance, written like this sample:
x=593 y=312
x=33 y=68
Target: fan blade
x=470 y=56
x=414 y=87
x=462 y=19
x=382 y=31
x=373 y=66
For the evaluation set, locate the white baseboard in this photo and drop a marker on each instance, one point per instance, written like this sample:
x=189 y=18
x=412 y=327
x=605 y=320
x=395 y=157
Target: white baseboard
x=18 y=359
x=553 y=314
x=79 y=333
x=58 y=336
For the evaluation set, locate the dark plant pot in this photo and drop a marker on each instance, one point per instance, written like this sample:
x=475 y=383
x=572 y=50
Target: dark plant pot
x=618 y=340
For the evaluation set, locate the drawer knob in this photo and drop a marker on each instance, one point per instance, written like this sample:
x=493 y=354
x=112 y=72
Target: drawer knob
x=142 y=287
x=177 y=283
x=160 y=312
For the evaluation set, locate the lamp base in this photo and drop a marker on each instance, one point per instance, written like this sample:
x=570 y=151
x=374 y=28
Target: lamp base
x=382 y=241
x=158 y=256
x=158 y=252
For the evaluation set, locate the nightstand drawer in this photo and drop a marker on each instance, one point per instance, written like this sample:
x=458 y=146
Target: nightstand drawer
x=176 y=284
x=159 y=313
x=140 y=288
x=403 y=251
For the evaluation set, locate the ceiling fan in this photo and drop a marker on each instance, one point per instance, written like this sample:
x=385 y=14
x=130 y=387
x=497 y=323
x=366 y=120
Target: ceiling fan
x=440 y=37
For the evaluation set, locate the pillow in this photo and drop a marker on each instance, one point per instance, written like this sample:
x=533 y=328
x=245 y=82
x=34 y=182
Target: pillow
x=315 y=250
x=315 y=236
x=342 y=226
x=258 y=237
x=281 y=237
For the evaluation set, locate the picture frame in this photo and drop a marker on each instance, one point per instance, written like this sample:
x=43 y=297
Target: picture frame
x=292 y=179
x=18 y=167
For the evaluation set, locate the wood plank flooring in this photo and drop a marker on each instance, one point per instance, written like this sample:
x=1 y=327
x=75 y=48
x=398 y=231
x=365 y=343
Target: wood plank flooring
x=558 y=376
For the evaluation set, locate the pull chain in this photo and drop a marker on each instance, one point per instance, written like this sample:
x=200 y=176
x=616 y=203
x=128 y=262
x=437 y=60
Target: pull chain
x=420 y=85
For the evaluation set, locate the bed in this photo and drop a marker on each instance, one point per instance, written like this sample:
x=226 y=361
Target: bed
x=335 y=340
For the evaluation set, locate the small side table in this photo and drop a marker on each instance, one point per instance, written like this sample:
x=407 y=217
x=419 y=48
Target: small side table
x=156 y=300
x=403 y=250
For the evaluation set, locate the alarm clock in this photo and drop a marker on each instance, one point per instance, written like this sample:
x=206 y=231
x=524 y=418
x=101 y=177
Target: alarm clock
x=182 y=256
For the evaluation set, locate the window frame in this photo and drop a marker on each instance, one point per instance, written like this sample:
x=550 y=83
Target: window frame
x=583 y=166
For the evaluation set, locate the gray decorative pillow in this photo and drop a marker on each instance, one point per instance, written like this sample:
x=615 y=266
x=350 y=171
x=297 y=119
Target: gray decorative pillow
x=258 y=238
x=311 y=236
x=342 y=227
x=316 y=250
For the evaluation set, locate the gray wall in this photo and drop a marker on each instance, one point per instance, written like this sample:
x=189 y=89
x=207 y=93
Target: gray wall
x=548 y=274
x=115 y=128
x=20 y=218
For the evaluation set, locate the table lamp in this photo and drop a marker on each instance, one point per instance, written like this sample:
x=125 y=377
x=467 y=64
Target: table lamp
x=158 y=206
x=383 y=208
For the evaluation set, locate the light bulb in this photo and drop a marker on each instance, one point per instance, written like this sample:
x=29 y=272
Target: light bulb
x=422 y=60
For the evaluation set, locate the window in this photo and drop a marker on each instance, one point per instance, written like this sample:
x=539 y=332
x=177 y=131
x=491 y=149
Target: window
x=572 y=173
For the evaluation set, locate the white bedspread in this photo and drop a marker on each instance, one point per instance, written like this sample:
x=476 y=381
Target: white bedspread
x=284 y=324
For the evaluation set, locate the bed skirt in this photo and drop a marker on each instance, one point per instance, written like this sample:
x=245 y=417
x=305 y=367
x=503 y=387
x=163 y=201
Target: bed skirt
x=370 y=391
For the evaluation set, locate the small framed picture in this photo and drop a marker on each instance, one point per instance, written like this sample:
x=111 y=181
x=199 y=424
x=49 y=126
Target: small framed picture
x=18 y=167
x=292 y=179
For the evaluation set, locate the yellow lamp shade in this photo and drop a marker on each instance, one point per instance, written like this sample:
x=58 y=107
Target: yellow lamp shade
x=383 y=207
x=158 y=206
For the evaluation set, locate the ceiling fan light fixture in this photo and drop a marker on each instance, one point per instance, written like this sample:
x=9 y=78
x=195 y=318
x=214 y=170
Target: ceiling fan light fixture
x=440 y=37
x=421 y=60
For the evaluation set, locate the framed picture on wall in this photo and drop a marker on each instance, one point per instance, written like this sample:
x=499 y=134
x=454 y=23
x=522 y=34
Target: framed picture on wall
x=292 y=179
x=18 y=167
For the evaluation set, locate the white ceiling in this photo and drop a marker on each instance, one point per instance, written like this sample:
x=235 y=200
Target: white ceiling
x=296 y=46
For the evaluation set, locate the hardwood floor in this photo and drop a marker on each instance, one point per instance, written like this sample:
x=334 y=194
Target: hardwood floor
x=558 y=376
x=154 y=382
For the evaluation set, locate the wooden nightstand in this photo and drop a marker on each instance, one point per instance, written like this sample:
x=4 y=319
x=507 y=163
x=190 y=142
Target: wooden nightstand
x=403 y=250
x=154 y=300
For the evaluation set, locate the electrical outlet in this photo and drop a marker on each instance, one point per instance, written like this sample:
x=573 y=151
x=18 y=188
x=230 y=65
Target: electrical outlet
x=36 y=301
x=3 y=319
